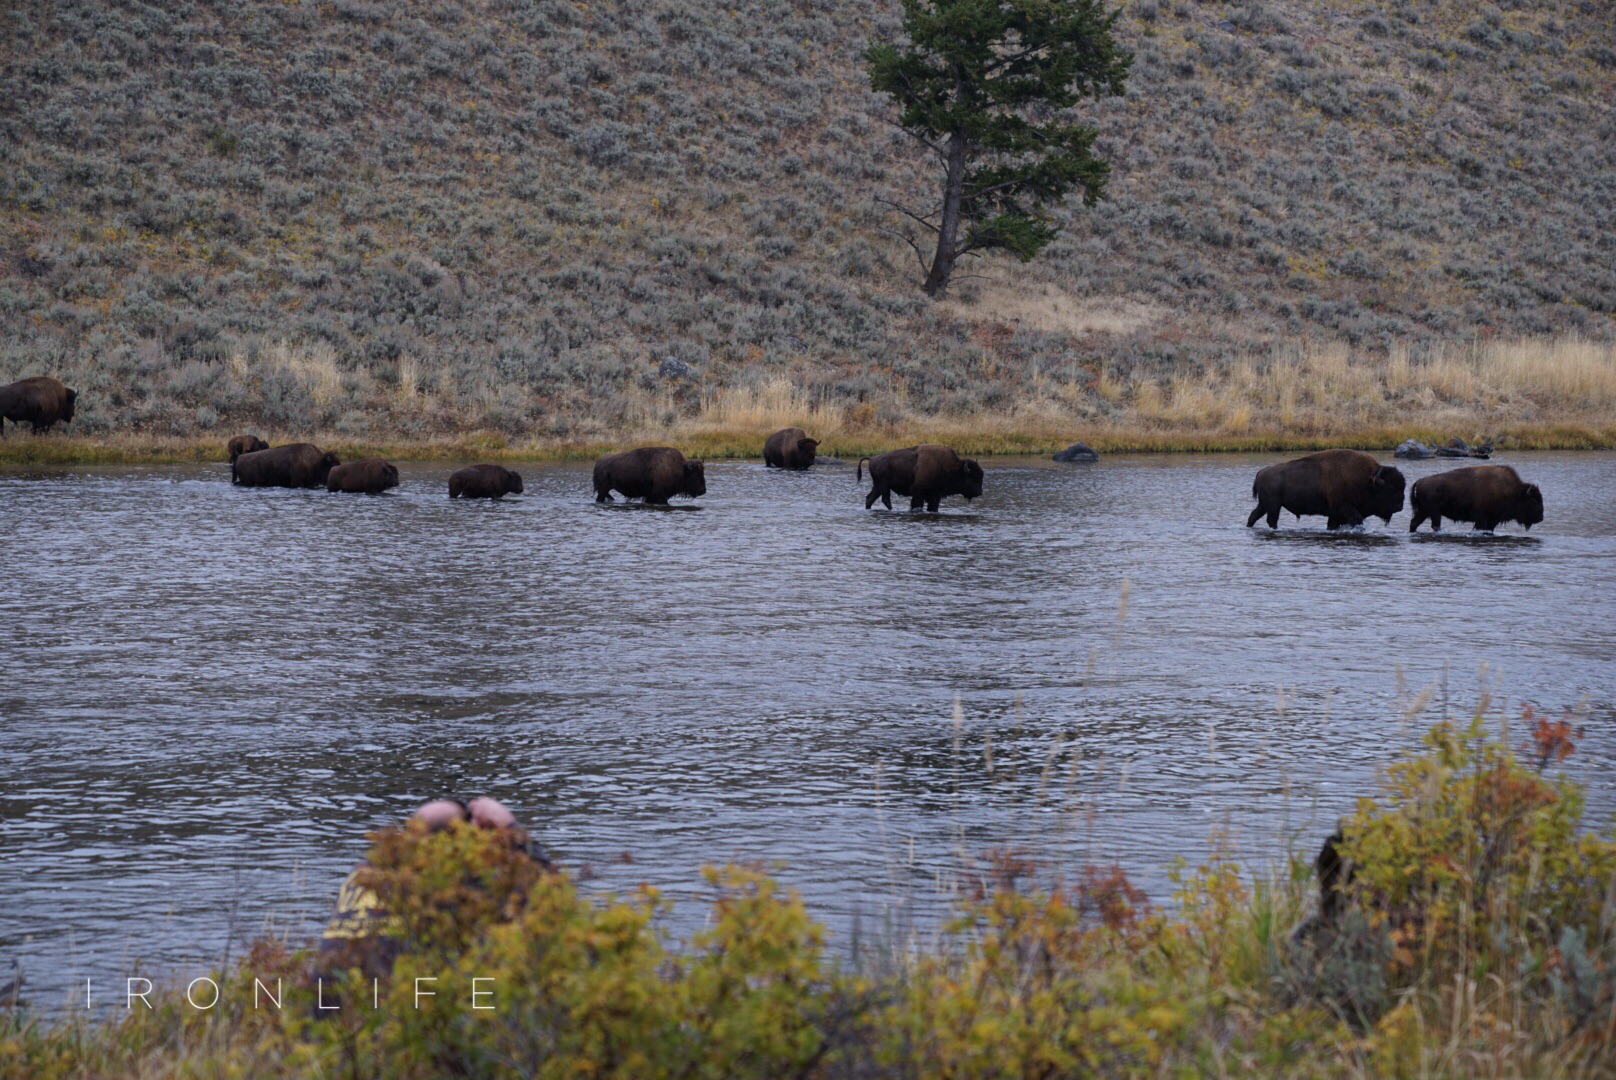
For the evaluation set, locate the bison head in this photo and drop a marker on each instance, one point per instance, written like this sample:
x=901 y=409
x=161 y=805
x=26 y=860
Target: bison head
x=807 y=447
x=513 y=483
x=72 y=403
x=695 y=479
x=970 y=482
x=1529 y=506
x=328 y=461
x=1386 y=492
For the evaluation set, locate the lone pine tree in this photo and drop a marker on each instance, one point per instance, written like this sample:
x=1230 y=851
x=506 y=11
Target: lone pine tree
x=987 y=87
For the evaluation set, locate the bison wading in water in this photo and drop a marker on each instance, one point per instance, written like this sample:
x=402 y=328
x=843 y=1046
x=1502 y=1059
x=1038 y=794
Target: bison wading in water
x=1484 y=495
x=652 y=473
x=245 y=444
x=790 y=448
x=367 y=476
x=40 y=401
x=1346 y=486
x=927 y=474
x=484 y=482
x=296 y=465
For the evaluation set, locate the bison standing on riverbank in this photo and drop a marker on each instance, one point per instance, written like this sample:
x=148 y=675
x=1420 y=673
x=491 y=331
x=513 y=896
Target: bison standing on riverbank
x=1484 y=495
x=484 y=482
x=295 y=465
x=245 y=444
x=652 y=473
x=927 y=474
x=367 y=476
x=40 y=401
x=1345 y=486
x=790 y=448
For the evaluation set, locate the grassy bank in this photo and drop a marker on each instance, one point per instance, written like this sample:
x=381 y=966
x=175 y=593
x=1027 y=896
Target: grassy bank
x=1544 y=395
x=1472 y=933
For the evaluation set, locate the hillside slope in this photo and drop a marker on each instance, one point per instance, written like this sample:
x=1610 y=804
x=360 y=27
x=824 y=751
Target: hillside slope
x=411 y=219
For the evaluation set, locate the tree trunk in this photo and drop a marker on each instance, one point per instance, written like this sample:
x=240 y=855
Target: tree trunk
x=942 y=263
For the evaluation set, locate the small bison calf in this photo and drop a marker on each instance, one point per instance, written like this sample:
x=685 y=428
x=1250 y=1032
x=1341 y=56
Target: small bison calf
x=367 y=476
x=484 y=482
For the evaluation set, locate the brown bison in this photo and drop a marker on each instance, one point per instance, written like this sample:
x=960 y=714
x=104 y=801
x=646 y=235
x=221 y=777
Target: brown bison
x=927 y=474
x=1346 y=486
x=1484 y=495
x=652 y=473
x=40 y=401
x=367 y=476
x=790 y=448
x=484 y=482
x=245 y=444
x=293 y=465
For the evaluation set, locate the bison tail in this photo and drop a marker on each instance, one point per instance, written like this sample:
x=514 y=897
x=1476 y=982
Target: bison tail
x=860 y=475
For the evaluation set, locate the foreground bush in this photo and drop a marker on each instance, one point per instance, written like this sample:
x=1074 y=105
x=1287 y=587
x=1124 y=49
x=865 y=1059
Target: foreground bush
x=1469 y=929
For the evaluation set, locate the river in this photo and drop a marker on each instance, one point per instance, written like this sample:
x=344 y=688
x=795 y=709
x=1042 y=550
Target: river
x=210 y=693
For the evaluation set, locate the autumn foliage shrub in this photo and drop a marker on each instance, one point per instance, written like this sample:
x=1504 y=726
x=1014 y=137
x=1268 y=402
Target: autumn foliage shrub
x=1473 y=933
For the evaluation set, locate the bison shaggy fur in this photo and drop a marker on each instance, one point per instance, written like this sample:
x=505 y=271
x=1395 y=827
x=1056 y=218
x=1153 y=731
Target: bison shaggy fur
x=1484 y=495
x=40 y=401
x=790 y=448
x=484 y=482
x=367 y=476
x=1345 y=486
x=293 y=465
x=652 y=473
x=927 y=474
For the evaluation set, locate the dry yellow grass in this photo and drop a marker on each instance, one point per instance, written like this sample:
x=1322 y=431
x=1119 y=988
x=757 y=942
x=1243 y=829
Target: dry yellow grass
x=1558 y=393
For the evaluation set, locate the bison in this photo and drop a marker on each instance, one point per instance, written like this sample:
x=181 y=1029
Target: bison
x=484 y=482
x=293 y=465
x=790 y=448
x=40 y=401
x=927 y=474
x=1484 y=495
x=1346 y=486
x=245 y=444
x=652 y=473
x=367 y=476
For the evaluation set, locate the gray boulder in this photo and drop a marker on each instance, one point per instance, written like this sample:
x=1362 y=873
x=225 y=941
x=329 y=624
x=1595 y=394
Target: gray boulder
x=674 y=368
x=1078 y=451
x=1414 y=449
x=1454 y=447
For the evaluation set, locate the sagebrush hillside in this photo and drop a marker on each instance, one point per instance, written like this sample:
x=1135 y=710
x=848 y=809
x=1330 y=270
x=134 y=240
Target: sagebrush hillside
x=405 y=220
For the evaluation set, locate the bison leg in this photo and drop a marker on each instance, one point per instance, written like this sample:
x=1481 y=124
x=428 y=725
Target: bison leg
x=1485 y=525
x=603 y=493
x=1436 y=522
x=932 y=504
x=1255 y=514
x=916 y=504
x=1419 y=519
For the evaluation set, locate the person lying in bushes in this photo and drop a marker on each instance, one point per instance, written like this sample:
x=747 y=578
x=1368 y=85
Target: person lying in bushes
x=417 y=887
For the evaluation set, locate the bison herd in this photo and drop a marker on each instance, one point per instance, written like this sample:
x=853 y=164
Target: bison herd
x=1345 y=487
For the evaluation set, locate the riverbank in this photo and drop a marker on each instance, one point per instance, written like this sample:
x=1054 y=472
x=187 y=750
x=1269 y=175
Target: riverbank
x=58 y=449
x=1470 y=936
x=1552 y=394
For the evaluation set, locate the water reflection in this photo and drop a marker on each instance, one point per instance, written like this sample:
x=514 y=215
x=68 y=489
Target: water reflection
x=221 y=688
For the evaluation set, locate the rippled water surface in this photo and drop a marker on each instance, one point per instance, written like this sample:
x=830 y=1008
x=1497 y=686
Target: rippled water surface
x=208 y=694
